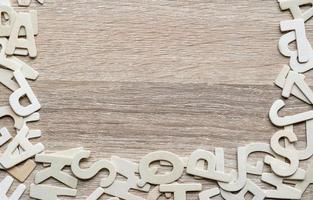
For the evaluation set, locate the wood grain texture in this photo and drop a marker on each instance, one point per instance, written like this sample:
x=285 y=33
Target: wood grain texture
x=129 y=77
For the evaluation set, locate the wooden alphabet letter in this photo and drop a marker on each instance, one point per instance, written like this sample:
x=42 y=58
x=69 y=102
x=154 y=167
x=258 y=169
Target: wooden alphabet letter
x=210 y=172
x=57 y=162
x=94 y=169
x=24 y=90
x=238 y=179
x=295 y=79
x=288 y=120
x=23 y=20
x=295 y=91
x=150 y=177
x=279 y=167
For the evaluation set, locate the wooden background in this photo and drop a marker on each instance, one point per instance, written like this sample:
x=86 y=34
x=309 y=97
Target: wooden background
x=129 y=77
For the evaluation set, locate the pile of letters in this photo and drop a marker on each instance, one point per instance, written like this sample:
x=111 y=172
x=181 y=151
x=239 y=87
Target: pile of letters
x=17 y=37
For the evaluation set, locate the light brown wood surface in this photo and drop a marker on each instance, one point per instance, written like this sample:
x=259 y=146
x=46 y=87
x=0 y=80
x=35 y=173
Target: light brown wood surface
x=129 y=77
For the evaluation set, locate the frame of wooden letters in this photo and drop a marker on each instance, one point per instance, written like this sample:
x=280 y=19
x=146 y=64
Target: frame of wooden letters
x=17 y=38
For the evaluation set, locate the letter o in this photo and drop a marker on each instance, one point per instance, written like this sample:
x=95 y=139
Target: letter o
x=149 y=176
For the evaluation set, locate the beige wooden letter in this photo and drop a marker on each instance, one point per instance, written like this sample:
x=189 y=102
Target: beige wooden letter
x=210 y=172
x=238 y=179
x=282 y=168
x=295 y=91
x=94 y=169
x=24 y=90
x=288 y=120
x=150 y=177
x=57 y=162
x=23 y=20
x=294 y=79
